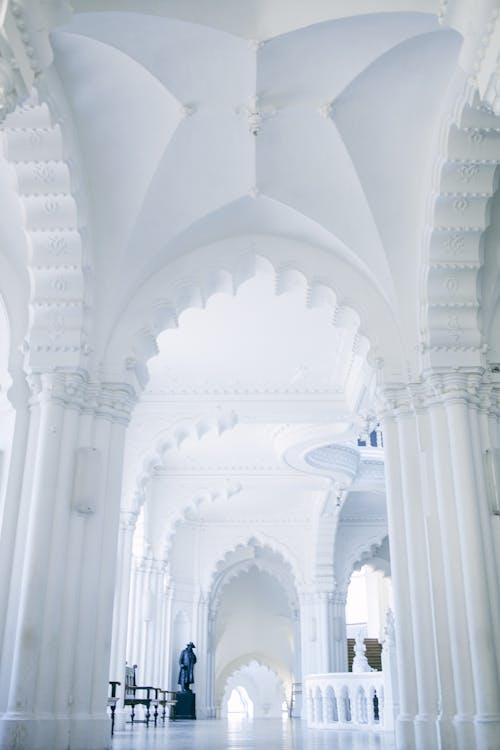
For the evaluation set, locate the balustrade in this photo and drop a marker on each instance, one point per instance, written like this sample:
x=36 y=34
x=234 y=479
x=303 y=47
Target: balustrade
x=345 y=700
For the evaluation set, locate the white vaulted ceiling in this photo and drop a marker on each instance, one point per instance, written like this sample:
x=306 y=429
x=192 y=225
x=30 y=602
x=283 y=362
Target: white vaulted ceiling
x=203 y=125
x=165 y=95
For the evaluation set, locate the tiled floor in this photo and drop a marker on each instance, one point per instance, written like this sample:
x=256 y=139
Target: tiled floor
x=263 y=734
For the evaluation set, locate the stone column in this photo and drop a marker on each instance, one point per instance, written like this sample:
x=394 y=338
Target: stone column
x=128 y=519
x=311 y=662
x=65 y=556
x=201 y=670
x=455 y=678
x=390 y=672
x=297 y=663
x=418 y=581
x=405 y=733
x=339 y=631
x=13 y=522
x=167 y=634
x=324 y=610
x=210 y=680
x=477 y=562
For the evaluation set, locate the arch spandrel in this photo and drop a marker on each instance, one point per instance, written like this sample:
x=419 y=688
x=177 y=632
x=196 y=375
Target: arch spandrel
x=222 y=266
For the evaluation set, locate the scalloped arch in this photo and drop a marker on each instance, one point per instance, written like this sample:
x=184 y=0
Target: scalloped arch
x=466 y=181
x=225 y=491
x=172 y=439
x=361 y=554
x=224 y=680
x=222 y=570
x=221 y=267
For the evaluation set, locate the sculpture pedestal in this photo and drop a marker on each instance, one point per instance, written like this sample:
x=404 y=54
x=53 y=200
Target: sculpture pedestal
x=185 y=707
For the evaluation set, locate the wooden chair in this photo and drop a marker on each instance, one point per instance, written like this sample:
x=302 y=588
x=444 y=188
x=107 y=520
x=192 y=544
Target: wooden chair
x=112 y=701
x=139 y=695
x=167 y=699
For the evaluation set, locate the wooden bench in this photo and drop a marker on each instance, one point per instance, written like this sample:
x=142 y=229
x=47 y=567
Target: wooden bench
x=139 y=695
x=167 y=699
x=112 y=701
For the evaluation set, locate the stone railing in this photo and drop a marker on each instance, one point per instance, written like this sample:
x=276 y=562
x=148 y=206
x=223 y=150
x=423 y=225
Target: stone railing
x=342 y=700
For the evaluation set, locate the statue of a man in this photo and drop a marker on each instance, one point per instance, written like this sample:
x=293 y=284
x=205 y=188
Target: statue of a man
x=187 y=660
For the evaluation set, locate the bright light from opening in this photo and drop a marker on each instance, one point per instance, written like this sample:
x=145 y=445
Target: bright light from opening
x=239 y=704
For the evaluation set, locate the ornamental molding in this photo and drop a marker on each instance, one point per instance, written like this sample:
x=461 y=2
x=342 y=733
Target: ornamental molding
x=474 y=387
x=59 y=308
x=224 y=492
x=255 y=546
x=181 y=286
x=25 y=50
x=274 y=568
x=128 y=520
x=479 y=24
x=74 y=390
x=371 y=548
x=458 y=218
x=153 y=462
x=150 y=565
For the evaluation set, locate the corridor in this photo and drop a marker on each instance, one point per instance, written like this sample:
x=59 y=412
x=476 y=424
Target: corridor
x=235 y=734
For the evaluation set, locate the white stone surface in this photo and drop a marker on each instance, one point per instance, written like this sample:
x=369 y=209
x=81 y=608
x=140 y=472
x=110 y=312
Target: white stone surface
x=235 y=236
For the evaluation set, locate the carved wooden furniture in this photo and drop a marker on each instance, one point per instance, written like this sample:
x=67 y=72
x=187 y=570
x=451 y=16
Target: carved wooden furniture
x=143 y=695
x=167 y=698
x=112 y=701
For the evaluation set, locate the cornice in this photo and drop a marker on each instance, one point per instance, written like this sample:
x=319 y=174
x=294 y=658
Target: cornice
x=74 y=390
x=475 y=387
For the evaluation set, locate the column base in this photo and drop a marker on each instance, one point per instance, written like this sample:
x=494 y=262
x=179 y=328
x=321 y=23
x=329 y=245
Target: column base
x=405 y=733
x=426 y=735
x=487 y=732
x=465 y=732
x=18 y=733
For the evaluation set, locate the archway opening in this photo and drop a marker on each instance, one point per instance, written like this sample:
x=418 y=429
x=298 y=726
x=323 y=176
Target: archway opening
x=369 y=596
x=239 y=704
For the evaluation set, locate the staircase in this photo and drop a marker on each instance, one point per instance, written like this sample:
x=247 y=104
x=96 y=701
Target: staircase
x=373 y=653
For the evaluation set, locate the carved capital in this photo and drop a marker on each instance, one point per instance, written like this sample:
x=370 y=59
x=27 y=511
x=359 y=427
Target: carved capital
x=73 y=389
x=128 y=520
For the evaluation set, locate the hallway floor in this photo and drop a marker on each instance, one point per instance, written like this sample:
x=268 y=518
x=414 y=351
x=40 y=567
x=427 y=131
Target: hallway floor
x=263 y=734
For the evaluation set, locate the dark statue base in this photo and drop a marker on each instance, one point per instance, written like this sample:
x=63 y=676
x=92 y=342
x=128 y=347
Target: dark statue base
x=185 y=708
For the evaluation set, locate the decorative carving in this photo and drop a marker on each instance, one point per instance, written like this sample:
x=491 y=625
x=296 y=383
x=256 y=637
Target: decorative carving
x=389 y=630
x=8 y=94
x=256 y=114
x=454 y=243
x=58 y=308
x=461 y=204
x=26 y=51
x=450 y=323
x=468 y=171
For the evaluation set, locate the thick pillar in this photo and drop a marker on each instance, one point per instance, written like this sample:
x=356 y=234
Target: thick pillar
x=407 y=689
x=446 y=544
x=418 y=582
x=210 y=679
x=14 y=519
x=339 y=632
x=477 y=560
x=128 y=521
x=438 y=436
x=65 y=558
x=202 y=645
x=324 y=615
